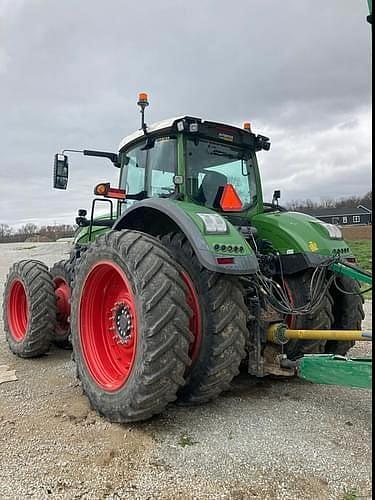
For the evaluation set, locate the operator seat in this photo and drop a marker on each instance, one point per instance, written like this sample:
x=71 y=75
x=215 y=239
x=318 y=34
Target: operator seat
x=209 y=188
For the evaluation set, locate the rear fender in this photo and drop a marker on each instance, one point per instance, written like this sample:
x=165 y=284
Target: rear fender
x=159 y=217
x=300 y=240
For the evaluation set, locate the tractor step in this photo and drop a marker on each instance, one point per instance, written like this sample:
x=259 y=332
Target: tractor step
x=336 y=370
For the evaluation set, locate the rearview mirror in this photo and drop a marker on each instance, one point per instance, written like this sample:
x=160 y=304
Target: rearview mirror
x=276 y=197
x=61 y=172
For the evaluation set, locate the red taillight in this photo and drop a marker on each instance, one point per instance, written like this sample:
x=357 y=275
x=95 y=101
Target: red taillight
x=225 y=260
x=118 y=194
x=230 y=201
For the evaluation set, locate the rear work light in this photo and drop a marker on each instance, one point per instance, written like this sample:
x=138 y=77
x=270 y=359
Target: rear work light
x=213 y=223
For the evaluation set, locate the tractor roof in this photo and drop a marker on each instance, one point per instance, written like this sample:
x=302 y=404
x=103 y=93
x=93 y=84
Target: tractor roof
x=166 y=125
x=154 y=127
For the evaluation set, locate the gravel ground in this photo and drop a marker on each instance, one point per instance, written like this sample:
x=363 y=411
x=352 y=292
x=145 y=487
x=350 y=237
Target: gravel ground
x=265 y=439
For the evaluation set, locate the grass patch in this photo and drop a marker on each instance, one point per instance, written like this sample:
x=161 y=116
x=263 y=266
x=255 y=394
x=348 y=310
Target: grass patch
x=351 y=495
x=185 y=441
x=362 y=249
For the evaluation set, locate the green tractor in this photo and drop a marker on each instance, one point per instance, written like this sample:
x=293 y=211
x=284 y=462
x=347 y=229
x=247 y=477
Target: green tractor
x=189 y=276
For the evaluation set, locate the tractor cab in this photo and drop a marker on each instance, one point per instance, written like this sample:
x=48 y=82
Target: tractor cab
x=196 y=168
x=206 y=163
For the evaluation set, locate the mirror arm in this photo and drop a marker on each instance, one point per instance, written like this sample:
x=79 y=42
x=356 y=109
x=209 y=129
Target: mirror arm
x=103 y=154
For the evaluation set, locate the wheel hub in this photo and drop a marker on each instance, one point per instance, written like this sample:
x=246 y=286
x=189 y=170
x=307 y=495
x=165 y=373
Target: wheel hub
x=123 y=323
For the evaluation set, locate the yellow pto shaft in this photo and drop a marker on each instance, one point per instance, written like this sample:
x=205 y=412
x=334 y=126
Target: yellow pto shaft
x=279 y=333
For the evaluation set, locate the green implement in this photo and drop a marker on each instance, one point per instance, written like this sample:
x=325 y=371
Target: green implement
x=352 y=272
x=336 y=370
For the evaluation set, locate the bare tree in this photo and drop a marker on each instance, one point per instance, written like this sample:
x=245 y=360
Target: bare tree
x=5 y=231
x=28 y=229
x=348 y=202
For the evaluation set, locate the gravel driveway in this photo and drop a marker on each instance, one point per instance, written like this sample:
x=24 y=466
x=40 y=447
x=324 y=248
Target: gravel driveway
x=265 y=439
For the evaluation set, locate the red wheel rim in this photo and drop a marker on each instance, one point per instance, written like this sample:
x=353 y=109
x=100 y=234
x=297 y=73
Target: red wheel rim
x=108 y=326
x=18 y=311
x=196 y=319
x=62 y=293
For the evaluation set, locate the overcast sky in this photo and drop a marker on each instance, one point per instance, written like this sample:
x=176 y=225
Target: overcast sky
x=70 y=72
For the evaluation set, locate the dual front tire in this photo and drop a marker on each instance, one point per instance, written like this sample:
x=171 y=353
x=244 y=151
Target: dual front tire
x=36 y=307
x=29 y=307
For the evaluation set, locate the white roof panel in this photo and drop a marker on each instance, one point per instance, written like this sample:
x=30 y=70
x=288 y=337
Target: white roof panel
x=154 y=127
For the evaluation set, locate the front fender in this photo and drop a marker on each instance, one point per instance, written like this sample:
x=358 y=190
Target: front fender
x=295 y=233
x=160 y=216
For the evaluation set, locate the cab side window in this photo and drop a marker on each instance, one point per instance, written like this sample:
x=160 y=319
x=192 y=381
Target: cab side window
x=162 y=167
x=134 y=173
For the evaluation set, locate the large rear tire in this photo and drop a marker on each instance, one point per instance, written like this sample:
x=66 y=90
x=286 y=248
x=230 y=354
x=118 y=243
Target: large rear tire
x=29 y=309
x=298 y=288
x=348 y=313
x=130 y=326
x=62 y=277
x=218 y=325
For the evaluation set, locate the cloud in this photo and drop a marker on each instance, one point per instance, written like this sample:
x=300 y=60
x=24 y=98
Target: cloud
x=299 y=70
x=331 y=162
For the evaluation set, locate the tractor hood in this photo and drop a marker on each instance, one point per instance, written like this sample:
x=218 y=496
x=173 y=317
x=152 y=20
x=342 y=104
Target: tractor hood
x=295 y=233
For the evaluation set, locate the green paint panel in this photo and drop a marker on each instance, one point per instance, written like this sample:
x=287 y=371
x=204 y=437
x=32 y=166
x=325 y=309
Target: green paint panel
x=293 y=232
x=232 y=237
x=335 y=370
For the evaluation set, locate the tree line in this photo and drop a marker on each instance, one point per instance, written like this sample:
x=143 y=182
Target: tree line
x=349 y=202
x=32 y=232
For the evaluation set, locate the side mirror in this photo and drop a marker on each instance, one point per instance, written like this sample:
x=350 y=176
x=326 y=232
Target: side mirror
x=276 y=197
x=81 y=220
x=60 y=172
